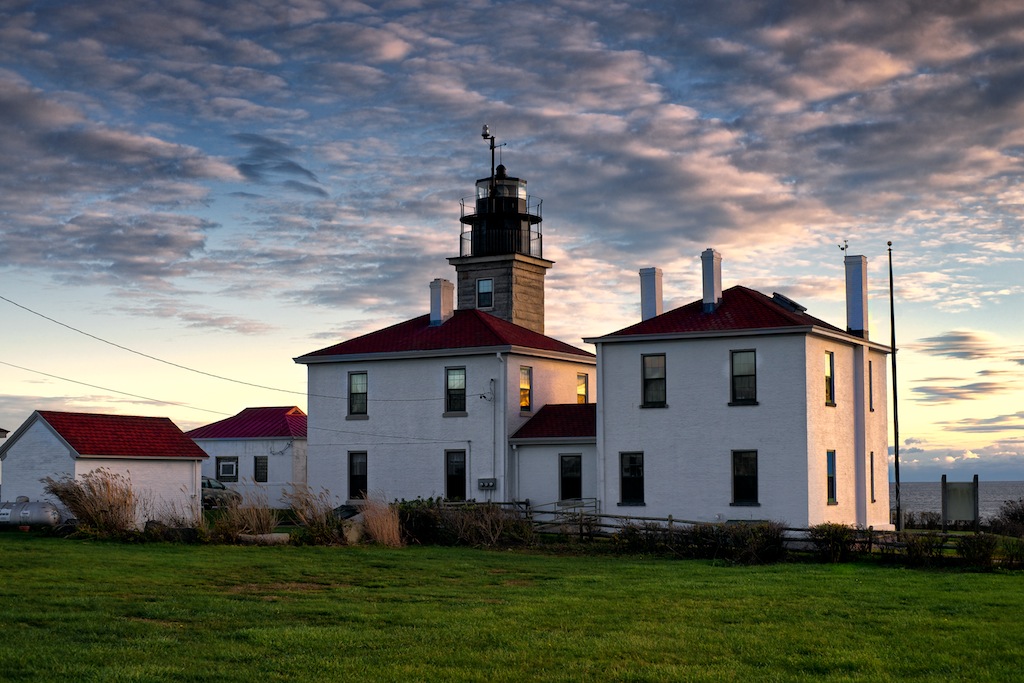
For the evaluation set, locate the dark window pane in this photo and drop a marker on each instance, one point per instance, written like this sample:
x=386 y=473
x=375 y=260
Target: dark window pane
x=356 y=475
x=632 y=483
x=654 y=380
x=260 y=466
x=744 y=477
x=455 y=475
x=455 y=398
x=571 y=484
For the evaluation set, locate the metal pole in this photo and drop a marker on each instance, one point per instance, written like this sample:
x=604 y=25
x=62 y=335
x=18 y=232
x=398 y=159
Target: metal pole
x=895 y=404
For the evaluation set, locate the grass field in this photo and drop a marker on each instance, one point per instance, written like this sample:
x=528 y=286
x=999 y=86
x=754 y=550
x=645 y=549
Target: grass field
x=90 y=611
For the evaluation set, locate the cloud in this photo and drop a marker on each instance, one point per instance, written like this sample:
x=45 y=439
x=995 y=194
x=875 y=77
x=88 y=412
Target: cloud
x=967 y=345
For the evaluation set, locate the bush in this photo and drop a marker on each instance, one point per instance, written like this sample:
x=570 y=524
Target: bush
x=640 y=538
x=251 y=515
x=102 y=502
x=421 y=522
x=314 y=512
x=757 y=542
x=433 y=521
x=977 y=550
x=1010 y=519
x=1013 y=552
x=833 y=542
x=922 y=550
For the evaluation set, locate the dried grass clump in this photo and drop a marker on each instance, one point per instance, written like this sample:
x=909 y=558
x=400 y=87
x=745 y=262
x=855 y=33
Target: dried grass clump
x=315 y=514
x=251 y=515
x=381 y=522
x=101 y=501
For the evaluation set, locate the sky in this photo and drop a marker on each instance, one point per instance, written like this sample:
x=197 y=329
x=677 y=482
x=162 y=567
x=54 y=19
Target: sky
x=194 y=193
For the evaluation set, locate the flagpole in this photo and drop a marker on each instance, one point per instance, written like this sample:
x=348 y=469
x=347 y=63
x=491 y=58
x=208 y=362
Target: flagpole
x=895 y=404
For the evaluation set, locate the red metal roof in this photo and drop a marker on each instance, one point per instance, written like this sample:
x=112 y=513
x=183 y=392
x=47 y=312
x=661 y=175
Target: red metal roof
x=256 y=423
x=93 y=434
x=465 y=329
x=561 y=420
x=740 y=309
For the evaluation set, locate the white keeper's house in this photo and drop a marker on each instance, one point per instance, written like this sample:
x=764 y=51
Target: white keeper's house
x=738 y=406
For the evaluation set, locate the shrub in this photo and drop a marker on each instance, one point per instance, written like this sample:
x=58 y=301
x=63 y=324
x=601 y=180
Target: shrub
x=421 y=522
x=640 y=538
x=251 y=515
x=833 y=542
x=977 y=550
x=922 y=550
x=704 y=540
x=1013 y=552
x=486 y=525
x=382 y=524
x=314 y=512
x=1010 y=519
x=102 y=501
x=757 y=542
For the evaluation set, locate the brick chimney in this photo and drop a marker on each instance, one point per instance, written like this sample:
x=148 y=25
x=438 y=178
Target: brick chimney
x=711 y=262
x=857 y=295
x=650 y=293
x=442 y=301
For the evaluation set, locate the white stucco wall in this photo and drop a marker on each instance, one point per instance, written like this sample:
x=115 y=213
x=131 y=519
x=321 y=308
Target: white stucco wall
x=286 y=465
x=536 y=470
x=35 y=454
x=406 y=434
x=688 y=445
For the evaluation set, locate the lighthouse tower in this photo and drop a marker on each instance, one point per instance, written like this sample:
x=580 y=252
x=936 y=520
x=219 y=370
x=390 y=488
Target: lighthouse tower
x=501 y=266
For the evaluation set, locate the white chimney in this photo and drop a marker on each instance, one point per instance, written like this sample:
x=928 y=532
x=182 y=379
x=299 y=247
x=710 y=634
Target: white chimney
x=711 y=261
x=650 y=293
x=857 y=295
x=442 y=298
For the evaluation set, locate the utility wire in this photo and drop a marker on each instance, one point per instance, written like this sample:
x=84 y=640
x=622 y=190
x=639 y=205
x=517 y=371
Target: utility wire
x=115 y=391
x=200 y=372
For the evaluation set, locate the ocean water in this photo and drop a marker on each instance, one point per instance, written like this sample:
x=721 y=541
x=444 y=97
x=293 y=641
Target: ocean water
x=926 y=496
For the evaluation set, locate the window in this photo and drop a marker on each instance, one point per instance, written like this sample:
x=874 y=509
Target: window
x=744 y=378
x=356 y=475
x=455 y=390
x=582 y=388
x=631 y=485
x=830 y=384
x=455 y=475
x=227 y=469
x=570 y=480
x=830 y=466
x=744 y=478
x=485 y=293
x=871 y=389
x=872 y=475
x=654 y=381
x=357 y=384
x=525 y=389
x=259 y=468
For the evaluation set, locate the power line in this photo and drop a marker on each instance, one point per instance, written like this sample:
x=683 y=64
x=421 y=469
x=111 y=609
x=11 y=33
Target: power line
x=146 y=355
x=115 y=391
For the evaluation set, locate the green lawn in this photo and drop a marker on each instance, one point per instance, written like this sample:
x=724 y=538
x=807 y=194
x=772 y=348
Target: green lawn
x=76 y=610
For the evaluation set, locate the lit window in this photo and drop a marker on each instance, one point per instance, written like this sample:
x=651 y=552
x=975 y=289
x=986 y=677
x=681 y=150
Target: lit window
x=455 y=475
x=744 y=477
x=830 y=466
x=744 y=378
x=871 y=386
x=654 y=381
x=485 y=293
x=357 y=384
x=570 y=484
x=357 y=475
x=582 y=388
x=259 y=468
x=525 y=389
x=872 y=476
x=830 y=384
x=631 y=483
x=455 y=390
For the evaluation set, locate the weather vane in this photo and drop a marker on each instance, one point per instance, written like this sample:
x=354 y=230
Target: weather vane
x=845 y=245
x=486 y=135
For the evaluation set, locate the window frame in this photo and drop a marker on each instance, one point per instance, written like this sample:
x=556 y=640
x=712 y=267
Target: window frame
x=481 y=294
x=582 y=381
x=221 y=462
x=525 y=392
x=260 y=462
x=743 y=484
x=831 y=492
x=635 y=481
x=354 y=478
x=455 y=398
x=452 y=459
x=572 y=482
x=649 y=383
x=830 y=379
x=734 y=399
x=354 y=406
